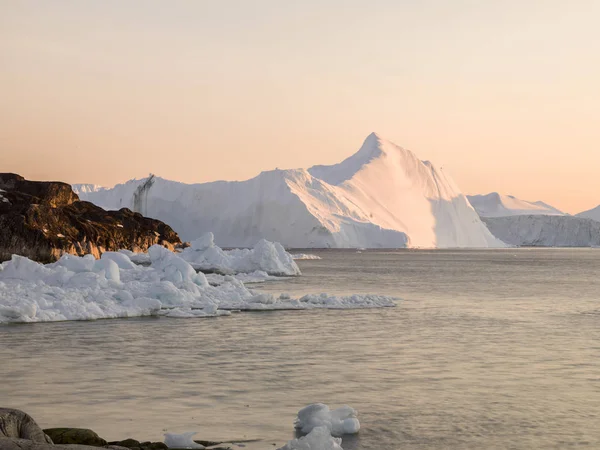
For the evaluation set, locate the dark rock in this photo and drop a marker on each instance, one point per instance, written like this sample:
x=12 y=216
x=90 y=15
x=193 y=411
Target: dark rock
x=81 y=436
x=26 y=444
x=43 y=220
x=129 y=443
x=137 y=445
x=17 y=424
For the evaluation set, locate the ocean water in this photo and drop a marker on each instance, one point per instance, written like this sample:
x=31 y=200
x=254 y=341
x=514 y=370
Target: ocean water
x=486 y=350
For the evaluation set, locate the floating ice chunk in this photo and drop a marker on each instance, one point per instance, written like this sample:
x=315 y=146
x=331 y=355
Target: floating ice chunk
x=339 y=421
x=183 y=440
x=305 y=256
x=319 y=438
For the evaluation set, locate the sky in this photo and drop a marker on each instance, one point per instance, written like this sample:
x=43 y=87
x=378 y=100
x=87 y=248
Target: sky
x=505 y=96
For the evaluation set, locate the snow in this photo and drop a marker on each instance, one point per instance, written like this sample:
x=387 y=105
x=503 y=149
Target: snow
x=383 y=196
x=593 y=214
x=497 y=205
x=183 y=440
x=299 y=256
x=318 y=439
x=340 y=421
x=86 y=188
x=545 y=231
x=83 y=288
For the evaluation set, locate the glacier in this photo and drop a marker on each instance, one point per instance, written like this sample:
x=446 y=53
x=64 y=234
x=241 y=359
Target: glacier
x=498 y=205
x=383 y=196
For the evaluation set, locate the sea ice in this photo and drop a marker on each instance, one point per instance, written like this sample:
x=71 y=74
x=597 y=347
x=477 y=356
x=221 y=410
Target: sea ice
x=319 y=438
x=339 y=421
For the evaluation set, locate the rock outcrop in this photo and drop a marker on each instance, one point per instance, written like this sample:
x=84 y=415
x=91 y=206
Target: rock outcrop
x=43 y=220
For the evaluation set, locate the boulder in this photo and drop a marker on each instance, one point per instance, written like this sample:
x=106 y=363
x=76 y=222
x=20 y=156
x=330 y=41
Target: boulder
x=81 y=436
x=17 y=424
x=26 y=444
x=43 y=220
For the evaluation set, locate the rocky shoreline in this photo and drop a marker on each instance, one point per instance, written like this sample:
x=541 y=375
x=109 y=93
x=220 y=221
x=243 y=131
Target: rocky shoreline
x=19 y=431
x=43 y=220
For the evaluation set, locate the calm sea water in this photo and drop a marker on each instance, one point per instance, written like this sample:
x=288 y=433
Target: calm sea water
x=487 y=350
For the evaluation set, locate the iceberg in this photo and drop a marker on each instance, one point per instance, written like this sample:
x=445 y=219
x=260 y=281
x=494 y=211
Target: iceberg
x=498 y=205
x=545 y=231
x=383 y=196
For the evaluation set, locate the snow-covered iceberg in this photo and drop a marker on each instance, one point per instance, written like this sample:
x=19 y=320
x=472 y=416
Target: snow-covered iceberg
x=498 y=205
x=83 y=288
x=593 y=214
x=381 y=197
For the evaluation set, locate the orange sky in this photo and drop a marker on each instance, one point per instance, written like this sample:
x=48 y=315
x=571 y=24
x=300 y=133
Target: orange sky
x=503 y=95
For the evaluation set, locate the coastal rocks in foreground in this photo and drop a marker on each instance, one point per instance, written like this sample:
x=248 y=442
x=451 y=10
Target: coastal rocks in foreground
x=43 y=220
x=19 y=431
x=17 y=424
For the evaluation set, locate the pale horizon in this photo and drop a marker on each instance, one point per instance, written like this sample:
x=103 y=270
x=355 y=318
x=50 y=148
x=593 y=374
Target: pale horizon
x=503 y=96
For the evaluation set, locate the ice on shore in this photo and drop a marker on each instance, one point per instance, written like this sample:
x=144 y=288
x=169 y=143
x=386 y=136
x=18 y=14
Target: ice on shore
x=83 y=288
x=183 y=440
x=319 y=438
x=340 y=421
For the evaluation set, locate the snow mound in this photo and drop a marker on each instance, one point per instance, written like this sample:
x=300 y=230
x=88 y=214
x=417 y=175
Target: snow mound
x=381 y=197
x=545 y=231
x=183 y=440
x=319 y=438
x=300 y=256
x=83 y=288
x=593 y=214
x=497 y=205
x=338 y=422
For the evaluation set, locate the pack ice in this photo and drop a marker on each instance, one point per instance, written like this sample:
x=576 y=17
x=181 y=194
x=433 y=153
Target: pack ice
x=83 y=288
x=383 y=196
